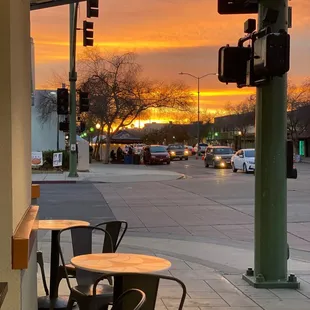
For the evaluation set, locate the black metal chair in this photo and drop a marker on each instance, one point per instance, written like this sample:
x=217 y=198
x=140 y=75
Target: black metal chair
x=41 y=264
x=116 y=230
x=118 y=304
x=146 y=282
x=87 y=296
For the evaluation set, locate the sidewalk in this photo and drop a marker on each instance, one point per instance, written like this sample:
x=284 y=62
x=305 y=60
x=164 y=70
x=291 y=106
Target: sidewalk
x=100 y=173
x=305 y=160
x=207 y=289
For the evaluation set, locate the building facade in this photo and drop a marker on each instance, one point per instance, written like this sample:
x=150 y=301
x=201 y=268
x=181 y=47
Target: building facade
x=15 y=164
x=45 y=135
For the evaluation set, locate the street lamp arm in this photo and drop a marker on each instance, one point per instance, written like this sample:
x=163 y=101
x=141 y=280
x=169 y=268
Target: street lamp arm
x=185 y=73
x=208 y=74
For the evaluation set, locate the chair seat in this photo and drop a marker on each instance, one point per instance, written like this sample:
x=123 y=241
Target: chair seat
x=70 y=267
x=102 y=290
x=70 y=270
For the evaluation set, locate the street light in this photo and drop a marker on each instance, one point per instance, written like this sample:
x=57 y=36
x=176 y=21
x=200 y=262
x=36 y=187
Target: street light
x=198 y=78
x=98 y=126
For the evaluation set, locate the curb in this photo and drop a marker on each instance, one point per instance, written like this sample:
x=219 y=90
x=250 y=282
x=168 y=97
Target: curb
x=54 y=182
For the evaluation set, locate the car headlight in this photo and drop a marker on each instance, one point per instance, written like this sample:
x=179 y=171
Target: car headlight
x=185 y=152
x=172 y=153
x=218 y=157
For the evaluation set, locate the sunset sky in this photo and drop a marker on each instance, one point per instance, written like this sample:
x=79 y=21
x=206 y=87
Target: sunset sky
x=169 y=36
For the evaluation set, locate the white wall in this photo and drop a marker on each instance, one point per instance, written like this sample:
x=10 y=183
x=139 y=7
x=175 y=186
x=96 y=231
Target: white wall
x=44 y=136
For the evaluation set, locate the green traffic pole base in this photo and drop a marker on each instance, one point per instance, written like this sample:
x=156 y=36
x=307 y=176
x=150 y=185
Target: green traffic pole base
x=259 y=281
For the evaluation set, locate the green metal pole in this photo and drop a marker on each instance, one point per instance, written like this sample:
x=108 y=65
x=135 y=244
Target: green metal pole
x=72 y=79
x=270 y=174
x=198 y=111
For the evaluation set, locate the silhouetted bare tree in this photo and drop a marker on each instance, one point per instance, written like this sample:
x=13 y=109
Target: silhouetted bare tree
x=298 y=116
x=119 y=94
x=244 y=114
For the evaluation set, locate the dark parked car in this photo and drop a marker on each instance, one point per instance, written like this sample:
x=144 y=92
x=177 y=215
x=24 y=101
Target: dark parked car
x=177 y=151
x=155 y=154
x=218 y=156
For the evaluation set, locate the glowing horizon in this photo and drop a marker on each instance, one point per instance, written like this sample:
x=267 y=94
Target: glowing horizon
x=168 y=37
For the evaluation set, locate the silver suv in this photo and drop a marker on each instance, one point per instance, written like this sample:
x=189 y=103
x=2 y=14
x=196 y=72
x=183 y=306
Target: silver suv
x=177 y=151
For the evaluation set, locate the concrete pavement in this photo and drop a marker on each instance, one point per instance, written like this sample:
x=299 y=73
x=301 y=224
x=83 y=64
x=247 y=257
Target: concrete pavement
x=203 y=223
x=207 y=288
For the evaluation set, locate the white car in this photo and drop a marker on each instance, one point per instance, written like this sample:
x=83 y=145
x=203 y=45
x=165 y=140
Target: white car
x=243 y=160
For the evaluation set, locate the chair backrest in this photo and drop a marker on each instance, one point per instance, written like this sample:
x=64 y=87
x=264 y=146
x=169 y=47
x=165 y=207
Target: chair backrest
x=117 y=230
x=131 y=294
x=146 y=282
x=83 y=239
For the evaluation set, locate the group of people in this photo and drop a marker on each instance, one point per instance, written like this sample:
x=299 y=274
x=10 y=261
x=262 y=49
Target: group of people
x=120 y=153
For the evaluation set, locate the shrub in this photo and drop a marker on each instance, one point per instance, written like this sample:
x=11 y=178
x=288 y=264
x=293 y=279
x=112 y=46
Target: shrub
x=48 y=159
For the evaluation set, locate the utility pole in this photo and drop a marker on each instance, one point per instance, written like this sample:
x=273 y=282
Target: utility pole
x=270 y=174
x=72 y=79
x=198 y=114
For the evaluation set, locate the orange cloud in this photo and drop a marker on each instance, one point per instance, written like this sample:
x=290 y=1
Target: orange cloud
x=169 y=36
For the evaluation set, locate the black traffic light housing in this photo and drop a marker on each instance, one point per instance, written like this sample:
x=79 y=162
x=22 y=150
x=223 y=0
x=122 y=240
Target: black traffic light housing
x=92 y=8
x=237 y=6
x=272 y=54
x=88 y=33
x=84 y=102
x=62 y=101
x=232 y=64
x=64 y=126
x=82 y=127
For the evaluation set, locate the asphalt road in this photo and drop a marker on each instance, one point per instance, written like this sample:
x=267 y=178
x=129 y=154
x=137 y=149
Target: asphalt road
x=195 y=168
x=211 y=205
x=80 y=201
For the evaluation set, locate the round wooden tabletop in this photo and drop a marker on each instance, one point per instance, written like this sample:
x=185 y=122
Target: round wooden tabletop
x=60 y=224
x=120 y=262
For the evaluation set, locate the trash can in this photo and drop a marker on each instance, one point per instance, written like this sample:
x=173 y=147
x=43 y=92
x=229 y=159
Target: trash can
x=128 y=159
x=136 y=159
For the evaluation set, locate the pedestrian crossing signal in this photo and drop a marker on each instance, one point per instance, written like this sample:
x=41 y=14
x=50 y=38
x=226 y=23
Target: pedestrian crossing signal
x=232 y=66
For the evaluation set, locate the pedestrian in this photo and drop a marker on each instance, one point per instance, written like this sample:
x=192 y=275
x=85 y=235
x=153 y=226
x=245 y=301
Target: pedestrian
x=113 y=155
x=119 y=154
x=91 y=151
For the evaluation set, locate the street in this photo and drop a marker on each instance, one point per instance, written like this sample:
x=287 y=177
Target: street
x=208 y=205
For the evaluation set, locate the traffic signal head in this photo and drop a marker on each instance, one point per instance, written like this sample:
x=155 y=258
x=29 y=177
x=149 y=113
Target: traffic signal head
x=64 y=126
x=232 y=66
x=82 y=126
x=62 y=101
x=272 y=54
x=84 y=102
x=92 y=8
x=88 y=33
x=237 y=6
